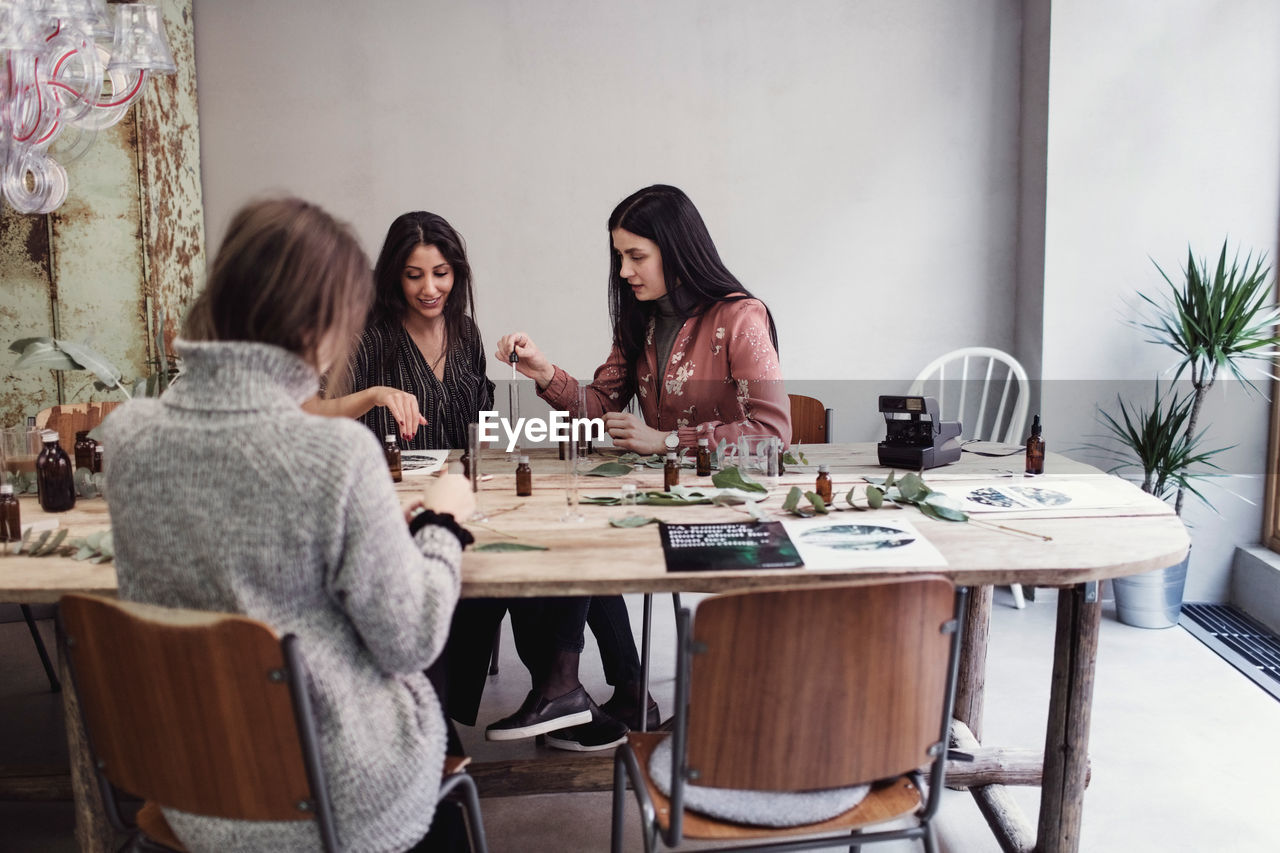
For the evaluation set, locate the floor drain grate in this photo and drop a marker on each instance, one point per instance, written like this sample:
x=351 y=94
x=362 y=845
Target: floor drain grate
x=1242 y=641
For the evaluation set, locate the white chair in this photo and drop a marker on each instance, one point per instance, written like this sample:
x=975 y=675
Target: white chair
x=988 y=392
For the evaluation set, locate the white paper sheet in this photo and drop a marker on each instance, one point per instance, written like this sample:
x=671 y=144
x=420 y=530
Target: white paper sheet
x=827 y=542
x=1048 y=495
x=418 y=462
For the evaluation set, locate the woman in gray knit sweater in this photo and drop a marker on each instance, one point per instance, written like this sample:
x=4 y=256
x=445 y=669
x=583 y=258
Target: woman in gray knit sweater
x=226 y=496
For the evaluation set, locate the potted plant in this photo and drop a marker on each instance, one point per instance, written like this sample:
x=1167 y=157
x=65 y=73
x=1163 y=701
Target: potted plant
x=1218 y=321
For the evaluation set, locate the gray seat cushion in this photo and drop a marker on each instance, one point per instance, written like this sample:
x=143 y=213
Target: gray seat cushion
x=756 y=808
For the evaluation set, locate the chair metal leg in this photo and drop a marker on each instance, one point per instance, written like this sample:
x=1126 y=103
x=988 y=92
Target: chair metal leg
x=1019 y=601
x=497 y=649
x=464 y=784
x=642 y=701
x=930 y=840
x=54 y=685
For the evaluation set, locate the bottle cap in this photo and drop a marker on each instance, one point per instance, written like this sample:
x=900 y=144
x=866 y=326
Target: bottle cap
x=49 y=436
x=522 y=460
x=823 y=469
x=702 y=442
x=671 y=454
x=83 y=433
x=6 y=489
x=389 y=439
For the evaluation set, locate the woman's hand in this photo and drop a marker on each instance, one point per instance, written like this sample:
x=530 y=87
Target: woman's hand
x=450 y=493
x=403 y=406
x=631 y=433
x=532 y=362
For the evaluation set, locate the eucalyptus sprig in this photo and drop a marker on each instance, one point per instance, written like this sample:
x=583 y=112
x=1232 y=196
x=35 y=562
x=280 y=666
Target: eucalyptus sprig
x=23 y=482
x=911 y=489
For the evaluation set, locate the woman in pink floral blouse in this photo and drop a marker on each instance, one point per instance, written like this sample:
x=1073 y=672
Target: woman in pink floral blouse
x=698 y=352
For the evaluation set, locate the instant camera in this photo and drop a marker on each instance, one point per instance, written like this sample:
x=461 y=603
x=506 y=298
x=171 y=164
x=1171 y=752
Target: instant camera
x=915 y=436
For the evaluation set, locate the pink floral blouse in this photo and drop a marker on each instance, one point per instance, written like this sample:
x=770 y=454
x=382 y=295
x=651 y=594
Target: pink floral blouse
x=722 y=380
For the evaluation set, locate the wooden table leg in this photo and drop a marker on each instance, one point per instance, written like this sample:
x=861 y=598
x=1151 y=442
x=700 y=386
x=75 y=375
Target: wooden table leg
x=1066 y=743
x=973 y=660
x=93 y=831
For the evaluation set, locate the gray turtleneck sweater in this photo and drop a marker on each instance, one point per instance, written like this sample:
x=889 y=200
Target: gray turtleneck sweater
x=226 y=496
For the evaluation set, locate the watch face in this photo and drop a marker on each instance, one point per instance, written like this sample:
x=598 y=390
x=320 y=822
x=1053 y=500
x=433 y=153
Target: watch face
x=672 y=440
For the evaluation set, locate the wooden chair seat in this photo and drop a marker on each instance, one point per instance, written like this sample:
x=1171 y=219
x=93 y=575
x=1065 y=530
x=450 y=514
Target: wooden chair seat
x=888 y=799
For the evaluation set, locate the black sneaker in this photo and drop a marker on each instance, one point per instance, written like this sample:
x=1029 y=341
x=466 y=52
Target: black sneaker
x=603 y=732
x=626 y=712
x=538 y=715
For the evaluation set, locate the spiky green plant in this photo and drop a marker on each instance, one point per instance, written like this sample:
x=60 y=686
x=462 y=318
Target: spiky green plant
x=1217 y=321
x=1160 y=440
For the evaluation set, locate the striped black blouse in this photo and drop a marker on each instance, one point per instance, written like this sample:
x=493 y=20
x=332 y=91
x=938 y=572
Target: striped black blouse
x=388 y=356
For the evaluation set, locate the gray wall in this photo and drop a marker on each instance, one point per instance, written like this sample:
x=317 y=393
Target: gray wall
x=880 y=173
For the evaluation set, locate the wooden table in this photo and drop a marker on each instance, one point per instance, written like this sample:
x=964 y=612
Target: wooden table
x=1067 y=549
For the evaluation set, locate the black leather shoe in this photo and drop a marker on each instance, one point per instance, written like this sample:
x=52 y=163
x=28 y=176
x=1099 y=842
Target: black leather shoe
x=538 y=715
x=603 y=732
x=626 y=713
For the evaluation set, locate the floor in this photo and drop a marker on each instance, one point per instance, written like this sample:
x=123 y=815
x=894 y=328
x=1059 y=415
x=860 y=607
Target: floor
x=1183 y=750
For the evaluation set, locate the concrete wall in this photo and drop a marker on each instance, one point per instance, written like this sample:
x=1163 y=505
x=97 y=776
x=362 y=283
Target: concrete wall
x=1163 y=131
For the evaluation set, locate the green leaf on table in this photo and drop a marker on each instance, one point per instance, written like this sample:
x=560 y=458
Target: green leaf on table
x=600 y=500
x=819 y=505
x=792 y=500
x=939 y=506
x=794 y=458
x=631 y=521
x=609 y=469
x=52 y=546
x=38 y=544
x=733 y=478
x=728 y=499
x=912 y=488
x=875 y=496
x=509 y=546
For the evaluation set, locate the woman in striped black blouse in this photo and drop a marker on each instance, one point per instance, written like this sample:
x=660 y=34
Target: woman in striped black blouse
x=419 y=369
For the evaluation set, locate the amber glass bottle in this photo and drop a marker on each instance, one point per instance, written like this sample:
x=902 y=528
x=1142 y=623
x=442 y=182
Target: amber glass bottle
x=55 y=478
x=524 y=477
x=84 y=450
x=823 y=484
x=10 y=516
x=704 y=458
x=392 y=451
x=1035 y=449
x=670 y=472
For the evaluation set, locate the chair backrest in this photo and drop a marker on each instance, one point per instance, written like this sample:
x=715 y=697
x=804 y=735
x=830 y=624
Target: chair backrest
x=72 y=418
x=820 y=687
x=810 y=420
x=195 y=710
x=985 y=389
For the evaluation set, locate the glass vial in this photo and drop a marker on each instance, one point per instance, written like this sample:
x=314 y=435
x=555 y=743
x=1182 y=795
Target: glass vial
x=670 y=472
x=704 y=458
x=524 y=477
x=84 y=450
x=1035 y=448
x=392 y=451
x=55 y=478
x=823 y=484
x=10 y=516
x=782 y=452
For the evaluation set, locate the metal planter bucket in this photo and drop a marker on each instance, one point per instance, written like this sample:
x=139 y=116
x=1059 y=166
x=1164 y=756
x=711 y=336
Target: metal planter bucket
x=1152 y=599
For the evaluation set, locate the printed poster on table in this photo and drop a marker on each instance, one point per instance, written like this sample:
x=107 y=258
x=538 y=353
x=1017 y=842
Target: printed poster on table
x=872 y=541
x=731 y=546
x=1044 y=495
x=413 y=462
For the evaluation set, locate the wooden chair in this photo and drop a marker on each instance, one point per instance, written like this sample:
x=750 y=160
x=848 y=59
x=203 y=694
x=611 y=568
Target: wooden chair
x=72 y=418
x=811 y=422
x=795 y=690
x=965 y=381
x=206 y=713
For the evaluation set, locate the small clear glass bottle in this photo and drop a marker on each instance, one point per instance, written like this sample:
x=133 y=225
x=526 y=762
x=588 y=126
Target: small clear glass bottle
x=1035 y=448
x=55 y=477
x=10 y=515
x=704 y=458
x=524 y=477
x=629 y=498
x=823 y=484
x=391 y=449
x=84 y=450
x=670 y=472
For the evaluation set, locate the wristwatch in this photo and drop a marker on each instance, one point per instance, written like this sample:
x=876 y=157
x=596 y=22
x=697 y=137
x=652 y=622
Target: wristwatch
x=672 y=441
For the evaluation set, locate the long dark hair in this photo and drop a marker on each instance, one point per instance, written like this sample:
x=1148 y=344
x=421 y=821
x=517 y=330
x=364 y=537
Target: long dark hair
x=287 y=274
x=407 y=232
x=696 y=278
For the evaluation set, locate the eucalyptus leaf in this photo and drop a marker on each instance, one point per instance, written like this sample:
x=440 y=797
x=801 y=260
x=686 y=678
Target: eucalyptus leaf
x=875 y=496
x=53 y=544
x=509 y=546
x=26 y=538
x=912 y=488
x=632 y=521
x=84 y=553
x=792 y=500
x=46 y=357
x=92 y=361
x=756 y=511
x=732 y=477
x=609 y=469
x=942 y=512
x=20 y=346
x=600 y=500
x=819 y=505
x=39 y=543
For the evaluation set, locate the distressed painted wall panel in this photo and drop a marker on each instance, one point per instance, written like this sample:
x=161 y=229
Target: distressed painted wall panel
x=169 y=162
x=24 y=312
x=129 y=236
